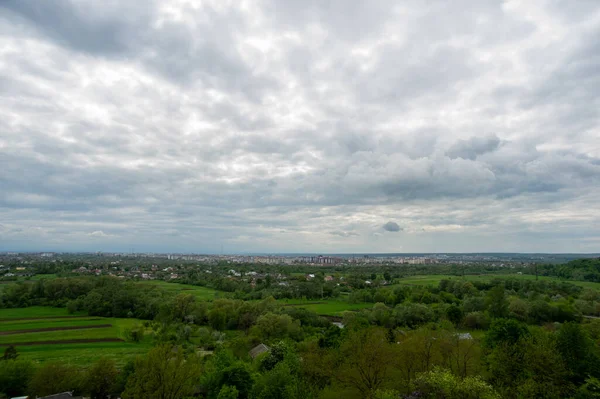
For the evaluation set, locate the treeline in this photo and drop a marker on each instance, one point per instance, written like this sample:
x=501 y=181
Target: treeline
x=512 y=360
x=529 y=340
x=579 y=269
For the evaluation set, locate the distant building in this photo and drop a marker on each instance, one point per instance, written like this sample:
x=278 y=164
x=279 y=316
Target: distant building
x=328 y=278
x=258 y=350
x=64 y=395
x=464 y=336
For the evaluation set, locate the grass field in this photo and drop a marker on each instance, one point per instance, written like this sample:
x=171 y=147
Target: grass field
x=434 y=279
x=325 y=307
x=67 y=338
x=202 y=293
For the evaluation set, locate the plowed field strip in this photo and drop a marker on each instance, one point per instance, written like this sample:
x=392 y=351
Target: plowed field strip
x=43 y=318
x=36 y=330
x=65 y=341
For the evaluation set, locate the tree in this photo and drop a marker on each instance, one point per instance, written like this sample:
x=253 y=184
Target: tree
x=135 y=333
x=577 y=351
x=443 y=384
x=228 y=392
x=589 y=390
x=454 y=314
x=10 y=353
x=391 y=336
x=271 y=325
x=505 y=331
x=497 y=303
x=101 y=379
x=15 y=376
x=164 y=373
x=274 y=384
x=544 y=371
x=183 y=306
x=367 y=360
x=55 y=377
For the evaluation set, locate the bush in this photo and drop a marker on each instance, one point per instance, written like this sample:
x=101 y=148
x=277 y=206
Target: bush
x=134 y=334
x=443 y=384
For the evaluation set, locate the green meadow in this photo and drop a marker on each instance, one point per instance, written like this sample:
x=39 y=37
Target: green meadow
x=326 y=307
x=43 y=334
x=201 y=293
x=434 y=279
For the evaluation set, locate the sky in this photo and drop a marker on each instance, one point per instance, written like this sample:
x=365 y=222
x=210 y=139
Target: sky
x=321 y=126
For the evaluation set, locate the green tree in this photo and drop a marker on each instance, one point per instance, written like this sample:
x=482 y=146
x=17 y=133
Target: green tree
x=507 y=331
x=454 y=314
x=164 y=373
x=274 y=384
x=442 y=384
x=15 y=376
x=10 y=353
x=367 y=361
x=228 y=392
x=496 y=302
x=589 y=390
x=577 y=351
x=271 y=325
x=55 y=377
x=135 y=333
x=545 y=375
x=101 y=379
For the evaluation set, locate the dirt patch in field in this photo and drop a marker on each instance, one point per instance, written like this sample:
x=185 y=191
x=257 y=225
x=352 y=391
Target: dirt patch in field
x=47 y=329
x=65 y=341
x=43 y=318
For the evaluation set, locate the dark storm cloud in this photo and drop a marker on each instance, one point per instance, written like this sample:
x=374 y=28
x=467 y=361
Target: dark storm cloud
x=184 y=126
x=392 y=227
x=87 y=29
x=471 y=148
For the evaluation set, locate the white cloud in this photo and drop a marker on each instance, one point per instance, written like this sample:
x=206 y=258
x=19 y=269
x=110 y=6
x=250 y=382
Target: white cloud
x=178 y=126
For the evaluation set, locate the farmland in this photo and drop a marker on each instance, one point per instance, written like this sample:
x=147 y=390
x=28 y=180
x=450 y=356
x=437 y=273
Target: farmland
x=199 y=292
x=326 y=307
x=434 y=279
x=51 y=334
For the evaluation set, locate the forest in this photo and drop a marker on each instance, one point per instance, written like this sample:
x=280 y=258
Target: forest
x=503 y=337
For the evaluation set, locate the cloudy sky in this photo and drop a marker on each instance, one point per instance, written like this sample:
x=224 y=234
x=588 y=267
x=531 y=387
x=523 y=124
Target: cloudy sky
x=300 y=125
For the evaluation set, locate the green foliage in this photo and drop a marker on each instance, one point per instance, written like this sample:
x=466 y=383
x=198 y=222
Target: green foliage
x=274 y=326
x=279 y=352
x=367 y=360
x=228 y=392
x=10 y=353
x=496 y=302
x=442 y=384
x=274 y=384
x=505 y=331
x=577 y=351
x=135 y=333
x=165 y=373
x=476 y=320
x=454 y=314
x=589 y=390
x=332 y=337
x=51 y=378
x=239 y=376
x=412 y=314
x=15 y=376
x=101 y=379
x=544 y=373
x=387 y=394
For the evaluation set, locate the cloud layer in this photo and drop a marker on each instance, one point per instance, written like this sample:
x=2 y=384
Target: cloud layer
x=300 y=126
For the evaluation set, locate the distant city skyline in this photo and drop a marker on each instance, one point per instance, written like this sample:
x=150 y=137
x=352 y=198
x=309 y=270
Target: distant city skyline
x=300 y=126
